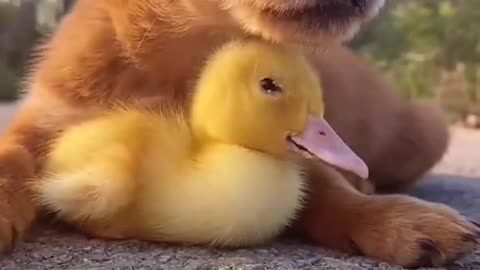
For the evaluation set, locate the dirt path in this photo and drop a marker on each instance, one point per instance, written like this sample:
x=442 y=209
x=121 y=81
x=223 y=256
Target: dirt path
x=463 y=156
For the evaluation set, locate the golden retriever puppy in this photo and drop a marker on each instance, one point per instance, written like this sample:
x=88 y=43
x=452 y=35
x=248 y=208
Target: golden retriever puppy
x=148 y=53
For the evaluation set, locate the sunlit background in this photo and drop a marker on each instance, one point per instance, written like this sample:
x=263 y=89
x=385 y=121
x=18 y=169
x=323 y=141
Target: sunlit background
x=430 y=49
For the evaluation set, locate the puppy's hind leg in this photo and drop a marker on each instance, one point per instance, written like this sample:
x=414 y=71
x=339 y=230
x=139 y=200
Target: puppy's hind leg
x=420 y=141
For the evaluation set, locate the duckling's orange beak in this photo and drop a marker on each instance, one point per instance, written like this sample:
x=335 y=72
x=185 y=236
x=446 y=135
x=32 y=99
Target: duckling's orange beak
x=322 y=141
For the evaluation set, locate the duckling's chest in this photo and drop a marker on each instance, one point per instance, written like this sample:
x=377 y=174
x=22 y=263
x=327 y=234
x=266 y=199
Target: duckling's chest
x=229 y=196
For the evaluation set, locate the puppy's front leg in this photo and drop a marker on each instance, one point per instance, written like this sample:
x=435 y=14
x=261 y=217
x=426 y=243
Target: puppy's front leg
x=394 y=228
x=20 y=151
x=23 y=147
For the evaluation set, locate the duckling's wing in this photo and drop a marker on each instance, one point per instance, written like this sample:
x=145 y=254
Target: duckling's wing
x=90 y=171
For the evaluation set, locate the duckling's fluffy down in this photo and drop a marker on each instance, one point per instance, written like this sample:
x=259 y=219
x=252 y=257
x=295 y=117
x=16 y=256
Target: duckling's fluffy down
x=115 y=169
x=90 y=172
x=229 y=196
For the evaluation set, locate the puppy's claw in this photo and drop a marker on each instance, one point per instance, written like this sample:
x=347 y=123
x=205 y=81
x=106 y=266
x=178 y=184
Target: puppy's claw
x=356 y=250
x=469 y=237
x=433 y=255
x=475 y=223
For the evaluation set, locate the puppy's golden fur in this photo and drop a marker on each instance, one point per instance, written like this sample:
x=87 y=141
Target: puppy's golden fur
x=148 y=52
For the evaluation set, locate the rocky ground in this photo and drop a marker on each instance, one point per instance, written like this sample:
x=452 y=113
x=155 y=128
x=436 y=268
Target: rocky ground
x=455 y=181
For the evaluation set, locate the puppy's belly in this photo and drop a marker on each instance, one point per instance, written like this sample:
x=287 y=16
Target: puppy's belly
x=242 y=198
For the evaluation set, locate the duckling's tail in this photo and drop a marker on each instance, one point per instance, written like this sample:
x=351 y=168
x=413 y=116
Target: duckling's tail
x=94 y=193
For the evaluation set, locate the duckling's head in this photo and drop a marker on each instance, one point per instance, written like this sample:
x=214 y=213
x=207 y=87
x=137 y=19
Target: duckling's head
x=266 y=97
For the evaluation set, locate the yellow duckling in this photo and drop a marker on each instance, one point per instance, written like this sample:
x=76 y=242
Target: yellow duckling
x=224 y=176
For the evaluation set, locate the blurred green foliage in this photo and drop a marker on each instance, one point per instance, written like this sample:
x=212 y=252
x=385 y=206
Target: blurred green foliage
x=15 y=46
x=22 y=23
x=8 y=83
x=430 y=49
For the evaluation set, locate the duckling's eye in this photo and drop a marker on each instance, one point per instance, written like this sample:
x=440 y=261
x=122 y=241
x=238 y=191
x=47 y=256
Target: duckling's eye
x=270 y=86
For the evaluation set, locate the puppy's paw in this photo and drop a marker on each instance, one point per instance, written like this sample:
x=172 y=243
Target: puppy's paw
x=413 y=233
x=8 y=234
x=16 y=216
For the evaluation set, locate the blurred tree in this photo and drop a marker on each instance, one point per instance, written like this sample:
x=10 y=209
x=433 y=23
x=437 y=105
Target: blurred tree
x=16 y=39
x=22 y=22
